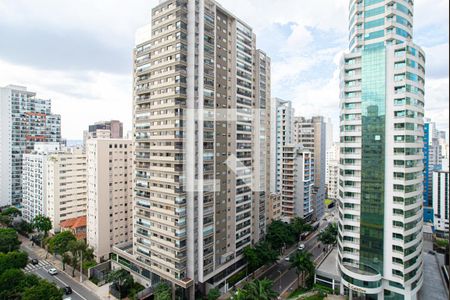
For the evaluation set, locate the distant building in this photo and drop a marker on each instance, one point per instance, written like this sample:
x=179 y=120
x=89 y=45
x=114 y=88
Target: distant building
x=24 y=120
x=441 y=201
x=333 y=172
x=99 y=129
x=34 y=180
x=312 y=134
x=274 y=208
x=281 y=135
x=297 y=177
x=109 y=186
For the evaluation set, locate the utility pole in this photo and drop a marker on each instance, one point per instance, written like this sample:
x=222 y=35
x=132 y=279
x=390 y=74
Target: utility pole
x=81 y=266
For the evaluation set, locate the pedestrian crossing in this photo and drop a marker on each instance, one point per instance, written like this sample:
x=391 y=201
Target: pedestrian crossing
x=30 y=267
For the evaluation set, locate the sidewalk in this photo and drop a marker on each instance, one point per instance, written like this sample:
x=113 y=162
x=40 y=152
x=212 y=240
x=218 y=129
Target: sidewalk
x=100 y=291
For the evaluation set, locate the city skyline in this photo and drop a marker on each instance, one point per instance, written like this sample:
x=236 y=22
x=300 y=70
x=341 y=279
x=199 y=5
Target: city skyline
x=305 y=66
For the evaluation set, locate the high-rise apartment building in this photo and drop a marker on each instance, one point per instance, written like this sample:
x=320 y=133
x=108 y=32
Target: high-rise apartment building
x=441 y=201
x=197 y=140
x=281 y=135
x=66 y=188
x=312 y=135
x=332 y=171
x=34 y=180
x=297 y=181
x=109 y=194
x=380 y=241
x=24 y=120
x=54 y=184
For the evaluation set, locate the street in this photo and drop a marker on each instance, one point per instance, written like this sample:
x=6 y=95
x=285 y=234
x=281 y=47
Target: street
x=79 y=291
x=280 y=274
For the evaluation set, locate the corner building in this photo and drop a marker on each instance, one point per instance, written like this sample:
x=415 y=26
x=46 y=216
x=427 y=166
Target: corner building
x=380 y=239
x=201 y=131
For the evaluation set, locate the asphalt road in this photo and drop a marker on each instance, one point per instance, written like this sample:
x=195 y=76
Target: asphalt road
x=79 y=292
x=280 y=274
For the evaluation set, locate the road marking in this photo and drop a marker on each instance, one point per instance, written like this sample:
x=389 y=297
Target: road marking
x=65 y=284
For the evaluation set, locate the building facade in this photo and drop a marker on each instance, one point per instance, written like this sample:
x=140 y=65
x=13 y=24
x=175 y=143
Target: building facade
x=109 y=194
x=312 y=134
x=297 y=181
x=380 y=241
x=281 y=135
x=197 y=202
x=34 y=181
x=24 y=121
x=66 y=188
x=333 y=155
x=441 y=201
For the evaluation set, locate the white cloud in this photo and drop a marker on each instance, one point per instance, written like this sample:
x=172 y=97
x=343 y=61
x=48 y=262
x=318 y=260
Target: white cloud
x=80 y=101
x=304 y=64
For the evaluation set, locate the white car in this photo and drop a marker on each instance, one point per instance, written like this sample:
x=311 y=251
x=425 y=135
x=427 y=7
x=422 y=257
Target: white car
x=52 y=271
x=287 y=258
x=301 y=247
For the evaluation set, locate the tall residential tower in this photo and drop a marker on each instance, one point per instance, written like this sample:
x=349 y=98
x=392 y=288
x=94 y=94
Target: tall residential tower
x=24 y=120
x=381 y=161
x=201 y=124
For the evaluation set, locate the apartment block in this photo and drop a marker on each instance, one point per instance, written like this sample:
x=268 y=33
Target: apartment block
x=281 y=135
x=24 y=120
x=197 y=197
x=34 y=181
x=441 y=201
x=332 y=170
x=297 y=175
x=109 y=194
x=66 y=188
x=380 y=240
x=311 y=133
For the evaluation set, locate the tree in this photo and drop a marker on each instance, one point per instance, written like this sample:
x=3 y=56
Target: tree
x=213 y=294
x=267 y=255
x=59 y=243
x=253 y=261
x=43 y=290
x=260 y=289
x=79 y=250
x=66 y=259
x=8 y=214
x=43 y=224
x=163 y=292
x=11 y=284
x=302 y=262
x=13 y=260
x=24 y=228
x=329 y=235
x=280 y=234
x=121 y=280
x=9 y=240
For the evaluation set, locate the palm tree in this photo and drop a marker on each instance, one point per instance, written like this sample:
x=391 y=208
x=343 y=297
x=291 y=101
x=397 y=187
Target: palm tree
x=260 y=289
x=302 y=262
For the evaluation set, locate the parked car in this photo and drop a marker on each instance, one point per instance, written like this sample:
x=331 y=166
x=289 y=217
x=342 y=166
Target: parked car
x=52 y=271
x=67 y=290
x=287 y=258
x=34 y=261
x=301 y=247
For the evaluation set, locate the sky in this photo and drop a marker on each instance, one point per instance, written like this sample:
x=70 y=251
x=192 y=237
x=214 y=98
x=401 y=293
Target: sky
x=79 y=53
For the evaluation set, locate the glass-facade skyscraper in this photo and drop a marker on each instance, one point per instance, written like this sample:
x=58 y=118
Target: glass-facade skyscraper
x=381 y=161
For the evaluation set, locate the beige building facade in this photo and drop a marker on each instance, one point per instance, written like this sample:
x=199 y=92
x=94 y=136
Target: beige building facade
x=66 y=195
x=109 y=190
